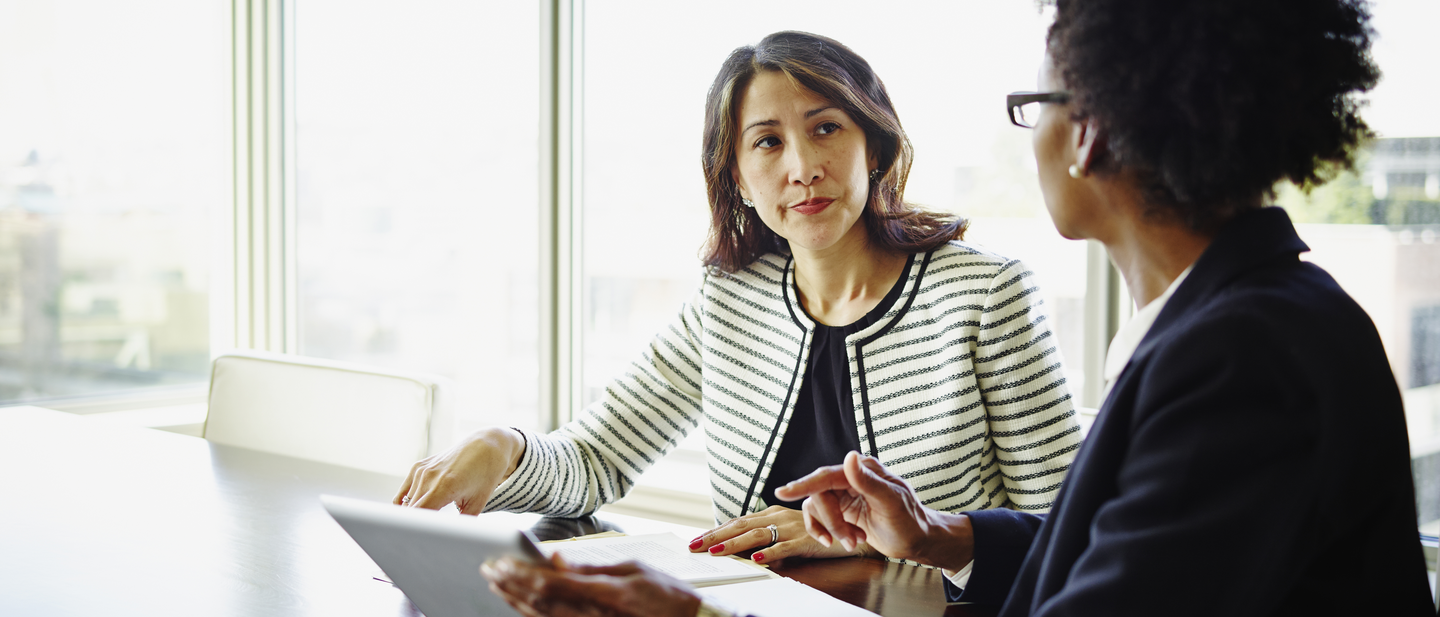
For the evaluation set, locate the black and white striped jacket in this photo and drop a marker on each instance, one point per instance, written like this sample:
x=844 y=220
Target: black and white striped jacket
x=959 y=388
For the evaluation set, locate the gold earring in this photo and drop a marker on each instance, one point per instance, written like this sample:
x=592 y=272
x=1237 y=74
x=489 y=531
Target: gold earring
x=1075 y=171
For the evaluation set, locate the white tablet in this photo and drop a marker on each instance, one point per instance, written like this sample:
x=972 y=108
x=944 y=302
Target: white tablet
x=433 y=557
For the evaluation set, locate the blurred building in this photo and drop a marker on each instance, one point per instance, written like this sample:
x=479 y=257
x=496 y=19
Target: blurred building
x=1404 y=176
x=94 y=297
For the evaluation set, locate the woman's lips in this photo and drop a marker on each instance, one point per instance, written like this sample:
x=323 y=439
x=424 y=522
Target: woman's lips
x=812 y=206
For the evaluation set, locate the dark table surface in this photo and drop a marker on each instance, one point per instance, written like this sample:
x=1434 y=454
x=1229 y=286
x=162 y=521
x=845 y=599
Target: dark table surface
x=100 y=520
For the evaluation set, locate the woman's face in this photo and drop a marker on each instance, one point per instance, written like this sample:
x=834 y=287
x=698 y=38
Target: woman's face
x=1056 y=140
x=803 y=162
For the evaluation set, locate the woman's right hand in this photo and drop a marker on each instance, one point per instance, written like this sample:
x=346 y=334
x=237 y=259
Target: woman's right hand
x=862 y=501
x=466 y=474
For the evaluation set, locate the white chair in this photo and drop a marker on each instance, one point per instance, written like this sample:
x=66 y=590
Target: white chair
x=331 y=412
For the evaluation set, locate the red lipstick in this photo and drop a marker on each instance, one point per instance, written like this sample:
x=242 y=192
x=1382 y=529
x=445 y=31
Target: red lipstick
x=813 y=206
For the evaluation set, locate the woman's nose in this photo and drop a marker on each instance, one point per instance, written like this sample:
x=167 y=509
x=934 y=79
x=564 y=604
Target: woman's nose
x=805 y=165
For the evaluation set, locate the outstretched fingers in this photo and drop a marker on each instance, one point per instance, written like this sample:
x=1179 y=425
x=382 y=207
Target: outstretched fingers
x=725 y=539
x=780 y=550
x=831 y=478
x=753 y=539
x=433 y=491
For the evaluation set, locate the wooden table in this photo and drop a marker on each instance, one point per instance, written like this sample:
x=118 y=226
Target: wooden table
x=98 y=520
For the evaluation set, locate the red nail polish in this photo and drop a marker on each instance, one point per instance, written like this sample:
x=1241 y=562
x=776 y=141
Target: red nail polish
x=759 y=556
x=717 y=548
x=694 y=544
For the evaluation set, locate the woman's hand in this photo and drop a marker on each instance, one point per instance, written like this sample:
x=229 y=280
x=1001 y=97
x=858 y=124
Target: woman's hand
x=563 y=590
x=465 y=474
x=861 y=501
x=750 y=532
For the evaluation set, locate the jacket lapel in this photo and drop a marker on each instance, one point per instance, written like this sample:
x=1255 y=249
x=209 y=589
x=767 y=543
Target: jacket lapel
x=1248 y=241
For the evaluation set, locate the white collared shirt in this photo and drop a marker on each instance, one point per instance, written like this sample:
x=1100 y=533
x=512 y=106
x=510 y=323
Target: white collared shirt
x=1126 y=341
x=1128 y=338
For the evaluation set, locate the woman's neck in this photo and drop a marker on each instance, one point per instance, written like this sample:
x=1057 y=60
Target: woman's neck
x=1152 y=257
x=1149 y=252
x=840 y=284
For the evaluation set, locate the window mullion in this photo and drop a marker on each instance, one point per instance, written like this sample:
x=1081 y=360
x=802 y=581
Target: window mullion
x=1103 y=305
x=263 y=310
x=560 y=249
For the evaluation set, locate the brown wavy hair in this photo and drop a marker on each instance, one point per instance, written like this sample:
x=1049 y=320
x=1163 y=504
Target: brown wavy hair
x=822 y=65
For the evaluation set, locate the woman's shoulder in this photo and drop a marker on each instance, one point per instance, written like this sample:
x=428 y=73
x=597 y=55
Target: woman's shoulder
x=761 y=281
x=958 y=260
x=768 y=270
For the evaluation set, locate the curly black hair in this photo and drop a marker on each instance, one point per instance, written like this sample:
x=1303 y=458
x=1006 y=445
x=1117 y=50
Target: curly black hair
x=1212 y=102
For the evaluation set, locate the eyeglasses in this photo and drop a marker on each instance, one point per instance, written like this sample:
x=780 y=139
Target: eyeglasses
x=1025 y=106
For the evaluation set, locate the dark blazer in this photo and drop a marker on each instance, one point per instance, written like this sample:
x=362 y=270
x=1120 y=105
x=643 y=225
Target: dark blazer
x=1252 y=459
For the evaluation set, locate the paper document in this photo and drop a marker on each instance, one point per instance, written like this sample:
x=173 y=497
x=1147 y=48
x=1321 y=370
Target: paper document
x=781 y=597
x=665 y=552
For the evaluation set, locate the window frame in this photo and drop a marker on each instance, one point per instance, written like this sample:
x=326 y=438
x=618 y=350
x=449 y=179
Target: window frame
x=253 y=299
x=255 y=304
x=254 y=296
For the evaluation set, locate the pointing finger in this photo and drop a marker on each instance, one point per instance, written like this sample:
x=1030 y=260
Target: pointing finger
x=830 y=478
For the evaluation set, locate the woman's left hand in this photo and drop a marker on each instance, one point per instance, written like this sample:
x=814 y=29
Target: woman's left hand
x=750 y=532
x=559 y=589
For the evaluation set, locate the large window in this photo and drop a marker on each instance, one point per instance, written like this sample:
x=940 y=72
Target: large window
x=645 y=212
x=418 y=172
x=418 y=161
x=947 y=66
x=1375 y=230
x=114 y=137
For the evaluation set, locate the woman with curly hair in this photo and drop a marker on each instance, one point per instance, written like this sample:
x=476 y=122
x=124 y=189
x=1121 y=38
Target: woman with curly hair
x=1250 y=457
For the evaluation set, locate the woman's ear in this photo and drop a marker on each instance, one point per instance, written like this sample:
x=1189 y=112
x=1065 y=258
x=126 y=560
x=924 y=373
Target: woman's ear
x=1091 y=143
x=739 y=186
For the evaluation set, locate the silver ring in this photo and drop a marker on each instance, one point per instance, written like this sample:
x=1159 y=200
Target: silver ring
x=405 y=500
x=774 y=534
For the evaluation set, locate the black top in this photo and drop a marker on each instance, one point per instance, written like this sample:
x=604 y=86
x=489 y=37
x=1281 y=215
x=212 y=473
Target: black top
x=1251 y=459
x=822 y=430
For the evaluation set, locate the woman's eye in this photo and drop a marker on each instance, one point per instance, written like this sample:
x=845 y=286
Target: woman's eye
x=767 y=142
x=827 y=128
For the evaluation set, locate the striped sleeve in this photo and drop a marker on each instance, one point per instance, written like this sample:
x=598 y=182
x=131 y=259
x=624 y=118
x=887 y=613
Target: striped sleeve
x=1027 y=402
x=642 y=415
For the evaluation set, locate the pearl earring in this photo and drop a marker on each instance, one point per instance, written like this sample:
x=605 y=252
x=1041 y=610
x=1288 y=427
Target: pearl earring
x=876 y=174
x=1075 y=171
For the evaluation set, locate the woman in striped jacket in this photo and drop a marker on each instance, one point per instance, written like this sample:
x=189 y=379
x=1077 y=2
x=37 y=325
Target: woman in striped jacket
x=832 y=316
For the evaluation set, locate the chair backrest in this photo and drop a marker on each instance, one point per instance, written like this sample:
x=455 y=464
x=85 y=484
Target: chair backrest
x=332 y=412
